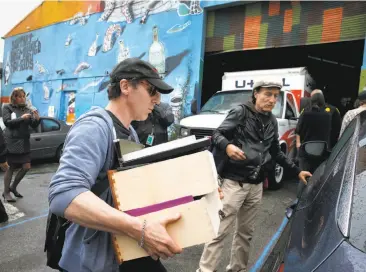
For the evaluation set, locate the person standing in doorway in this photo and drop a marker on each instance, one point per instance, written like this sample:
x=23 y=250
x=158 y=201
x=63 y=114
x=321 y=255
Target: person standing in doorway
x=336 y=119
x=154 y=130
x=18 y=120
x=315 y=124
x=249 y=135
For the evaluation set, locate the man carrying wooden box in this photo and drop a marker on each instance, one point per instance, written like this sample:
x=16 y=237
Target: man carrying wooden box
x=135 y=88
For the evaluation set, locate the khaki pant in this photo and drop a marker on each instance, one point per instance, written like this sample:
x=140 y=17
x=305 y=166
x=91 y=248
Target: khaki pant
x=240 y=205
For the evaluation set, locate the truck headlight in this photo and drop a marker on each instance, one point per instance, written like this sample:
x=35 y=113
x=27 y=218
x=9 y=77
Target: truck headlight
x=184 y=132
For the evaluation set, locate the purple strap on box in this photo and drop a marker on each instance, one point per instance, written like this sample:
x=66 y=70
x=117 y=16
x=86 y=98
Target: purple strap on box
x=160 y=206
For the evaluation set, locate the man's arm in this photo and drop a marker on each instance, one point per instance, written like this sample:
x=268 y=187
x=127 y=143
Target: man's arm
x=83 y=158
x=163 y=112
x=224 y=133
x=298 y=141
x=8 y=122
x=70 y=196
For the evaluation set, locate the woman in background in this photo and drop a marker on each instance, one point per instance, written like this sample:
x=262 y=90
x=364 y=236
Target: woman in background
x=4 y=166
x=18 y=119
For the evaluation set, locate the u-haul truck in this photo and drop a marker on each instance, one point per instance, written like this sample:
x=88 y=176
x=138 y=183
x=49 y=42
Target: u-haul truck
x=237 y=89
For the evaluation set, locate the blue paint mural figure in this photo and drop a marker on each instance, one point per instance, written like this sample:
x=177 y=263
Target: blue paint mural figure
x=124 y=52
x=77 y=61
x=111 y=35
x=82 y=66
x=157 y=53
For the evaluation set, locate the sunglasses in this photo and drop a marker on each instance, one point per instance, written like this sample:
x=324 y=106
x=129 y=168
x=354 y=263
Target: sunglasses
x=151 y=89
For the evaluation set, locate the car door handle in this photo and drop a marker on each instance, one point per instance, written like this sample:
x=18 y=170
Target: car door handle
x=37 y=139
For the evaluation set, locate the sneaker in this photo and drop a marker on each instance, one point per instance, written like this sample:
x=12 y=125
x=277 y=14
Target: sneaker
x=4 y=218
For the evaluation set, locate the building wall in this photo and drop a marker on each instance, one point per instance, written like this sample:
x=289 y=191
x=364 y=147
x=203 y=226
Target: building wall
x=363 y=72
x=52 y=12
x=64 y=76
x=269 y=24
x=72 y=59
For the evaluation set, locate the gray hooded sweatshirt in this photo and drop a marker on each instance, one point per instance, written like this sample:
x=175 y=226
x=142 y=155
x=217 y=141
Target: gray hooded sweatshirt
x=88 y=155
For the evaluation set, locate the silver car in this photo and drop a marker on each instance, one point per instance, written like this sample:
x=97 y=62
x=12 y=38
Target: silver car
x=47 y=139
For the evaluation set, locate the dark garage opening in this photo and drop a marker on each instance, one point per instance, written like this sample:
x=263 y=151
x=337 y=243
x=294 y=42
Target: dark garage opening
x=335 y=67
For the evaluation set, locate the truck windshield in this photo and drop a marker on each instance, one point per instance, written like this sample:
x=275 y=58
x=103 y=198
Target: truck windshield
x=223 y=102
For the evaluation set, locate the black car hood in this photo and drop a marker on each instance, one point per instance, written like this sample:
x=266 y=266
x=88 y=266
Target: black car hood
x=314 y=232
x=345 y=258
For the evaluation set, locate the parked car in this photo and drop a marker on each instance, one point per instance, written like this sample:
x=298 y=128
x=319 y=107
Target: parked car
x=47 y=139
x=327 y=230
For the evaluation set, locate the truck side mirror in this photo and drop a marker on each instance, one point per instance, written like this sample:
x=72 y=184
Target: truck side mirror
x=194 y=106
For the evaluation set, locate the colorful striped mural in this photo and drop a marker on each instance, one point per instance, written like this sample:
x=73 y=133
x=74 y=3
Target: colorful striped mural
x=276 y=24
x=362 y=81
x=51 y=12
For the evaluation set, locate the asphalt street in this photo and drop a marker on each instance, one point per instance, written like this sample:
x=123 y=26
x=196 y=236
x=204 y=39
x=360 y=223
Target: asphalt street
x=22 y=238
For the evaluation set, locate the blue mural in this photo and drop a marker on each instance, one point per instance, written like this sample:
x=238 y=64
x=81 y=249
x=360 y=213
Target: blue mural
x=64 y=67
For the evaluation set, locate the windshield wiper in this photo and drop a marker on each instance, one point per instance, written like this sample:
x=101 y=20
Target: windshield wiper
x=211 y=111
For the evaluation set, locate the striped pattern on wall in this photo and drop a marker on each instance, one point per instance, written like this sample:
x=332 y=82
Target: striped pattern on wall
x=278 y=24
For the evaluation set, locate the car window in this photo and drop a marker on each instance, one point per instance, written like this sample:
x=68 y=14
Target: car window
x=49 y=125
x=358 y=210
x=291 y=101
x=225 y=101
x=277 y=110
x=346 y=136
x=289 y=111
x=345 y=196
x=334 y=165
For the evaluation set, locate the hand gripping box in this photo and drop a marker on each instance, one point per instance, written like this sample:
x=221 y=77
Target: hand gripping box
x=186 y=184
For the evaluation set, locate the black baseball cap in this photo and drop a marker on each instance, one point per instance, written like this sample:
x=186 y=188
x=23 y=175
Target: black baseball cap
x=134 y=68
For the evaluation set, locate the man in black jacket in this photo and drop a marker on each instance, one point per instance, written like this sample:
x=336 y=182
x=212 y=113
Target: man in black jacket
x=335 y=117
x=249 y=135
x=315 y=124
x=154 y=130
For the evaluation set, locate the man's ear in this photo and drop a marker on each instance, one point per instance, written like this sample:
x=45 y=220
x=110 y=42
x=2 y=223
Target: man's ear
x=123 y=85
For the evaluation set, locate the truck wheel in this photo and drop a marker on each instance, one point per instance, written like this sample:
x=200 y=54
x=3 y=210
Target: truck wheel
x=59 y=151
x=276 y=177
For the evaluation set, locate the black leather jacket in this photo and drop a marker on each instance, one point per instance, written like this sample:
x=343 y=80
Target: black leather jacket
x=17 y=131
x=257 y=135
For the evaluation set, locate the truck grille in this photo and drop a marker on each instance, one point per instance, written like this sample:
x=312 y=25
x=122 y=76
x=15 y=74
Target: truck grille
x=200 y=133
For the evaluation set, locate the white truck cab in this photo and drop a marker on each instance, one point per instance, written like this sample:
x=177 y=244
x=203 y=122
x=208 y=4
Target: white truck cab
x=236 y=90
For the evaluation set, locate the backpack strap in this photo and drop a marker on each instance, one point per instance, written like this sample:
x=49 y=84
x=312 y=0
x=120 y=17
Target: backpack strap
x=99 y=187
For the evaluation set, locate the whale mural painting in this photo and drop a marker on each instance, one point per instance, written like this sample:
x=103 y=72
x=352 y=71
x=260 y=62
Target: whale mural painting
x=82 y=66
x=75 y=64
x=111 y=35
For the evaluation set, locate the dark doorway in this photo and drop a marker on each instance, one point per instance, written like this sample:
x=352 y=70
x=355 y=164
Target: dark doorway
x=335 y=67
